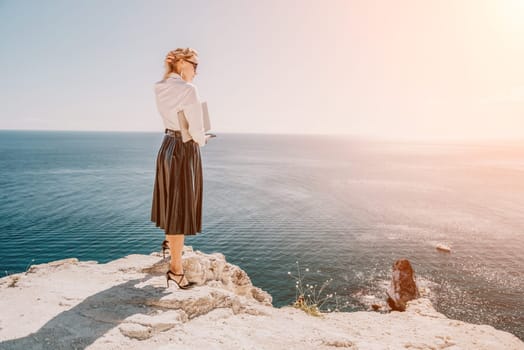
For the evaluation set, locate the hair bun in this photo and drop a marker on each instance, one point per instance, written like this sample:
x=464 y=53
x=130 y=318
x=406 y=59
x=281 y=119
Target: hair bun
x=175 y=55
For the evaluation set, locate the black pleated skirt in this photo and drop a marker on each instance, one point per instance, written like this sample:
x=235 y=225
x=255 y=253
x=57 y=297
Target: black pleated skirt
x=177 y=193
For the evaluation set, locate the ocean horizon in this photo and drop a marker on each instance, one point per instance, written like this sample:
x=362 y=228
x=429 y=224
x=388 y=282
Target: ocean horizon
x=344 y=207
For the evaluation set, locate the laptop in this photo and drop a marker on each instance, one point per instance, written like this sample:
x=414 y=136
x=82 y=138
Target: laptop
x=207 y=123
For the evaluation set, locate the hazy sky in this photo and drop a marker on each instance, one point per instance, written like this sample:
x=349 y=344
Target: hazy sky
x=419 y=69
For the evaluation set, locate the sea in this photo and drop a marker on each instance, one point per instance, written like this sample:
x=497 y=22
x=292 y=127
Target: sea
x=336 y=210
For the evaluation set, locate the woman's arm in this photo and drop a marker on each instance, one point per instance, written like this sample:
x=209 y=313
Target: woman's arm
x=194 y=114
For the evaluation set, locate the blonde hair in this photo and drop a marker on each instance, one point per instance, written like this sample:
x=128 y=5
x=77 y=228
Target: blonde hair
x=171 y=62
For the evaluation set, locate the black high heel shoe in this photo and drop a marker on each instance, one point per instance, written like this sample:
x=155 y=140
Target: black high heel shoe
x=186 y=286
x=165 y=246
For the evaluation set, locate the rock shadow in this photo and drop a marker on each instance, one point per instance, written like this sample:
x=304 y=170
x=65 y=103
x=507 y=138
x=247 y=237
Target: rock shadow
x=83 y=324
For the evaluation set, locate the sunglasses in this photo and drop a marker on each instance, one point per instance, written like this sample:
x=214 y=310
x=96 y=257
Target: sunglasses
x=195 y=65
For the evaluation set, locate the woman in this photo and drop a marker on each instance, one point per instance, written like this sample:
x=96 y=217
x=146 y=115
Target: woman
x=177 y=194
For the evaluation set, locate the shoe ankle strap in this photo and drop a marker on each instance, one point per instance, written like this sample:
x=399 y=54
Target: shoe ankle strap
x=177 y=274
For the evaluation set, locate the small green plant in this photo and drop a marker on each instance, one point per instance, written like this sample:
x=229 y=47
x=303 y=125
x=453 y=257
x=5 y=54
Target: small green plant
x=309 y=297
x=29 y=265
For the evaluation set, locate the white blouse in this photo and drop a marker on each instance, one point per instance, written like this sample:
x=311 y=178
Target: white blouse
x=179 y=104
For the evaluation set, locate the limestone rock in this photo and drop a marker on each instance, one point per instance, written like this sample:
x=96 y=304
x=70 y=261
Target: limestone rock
x=137 y=331
x=124 y=304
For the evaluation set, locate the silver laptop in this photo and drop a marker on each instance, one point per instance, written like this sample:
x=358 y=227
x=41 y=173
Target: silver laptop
x=207 y=123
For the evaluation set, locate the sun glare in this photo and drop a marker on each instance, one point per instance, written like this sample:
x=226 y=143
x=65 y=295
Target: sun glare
x=511 y=14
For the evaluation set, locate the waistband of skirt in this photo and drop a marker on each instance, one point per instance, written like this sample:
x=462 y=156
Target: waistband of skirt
x=172 y=132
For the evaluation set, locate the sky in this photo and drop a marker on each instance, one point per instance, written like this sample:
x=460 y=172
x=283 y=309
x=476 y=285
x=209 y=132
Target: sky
x=406 y=69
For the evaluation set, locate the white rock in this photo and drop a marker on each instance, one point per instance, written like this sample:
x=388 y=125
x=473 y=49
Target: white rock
x=136 y=331
x=124 y=304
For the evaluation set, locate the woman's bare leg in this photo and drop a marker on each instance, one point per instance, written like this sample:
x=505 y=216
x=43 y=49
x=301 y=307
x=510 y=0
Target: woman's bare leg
x=176 y=243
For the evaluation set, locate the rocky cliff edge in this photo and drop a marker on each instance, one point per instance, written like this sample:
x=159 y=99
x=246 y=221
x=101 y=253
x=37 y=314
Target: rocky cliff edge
x=124 y=304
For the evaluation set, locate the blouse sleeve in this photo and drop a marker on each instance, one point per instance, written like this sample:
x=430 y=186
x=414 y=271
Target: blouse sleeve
x=195 y=115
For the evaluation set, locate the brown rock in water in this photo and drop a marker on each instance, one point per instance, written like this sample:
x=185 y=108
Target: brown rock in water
x=403 y=287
